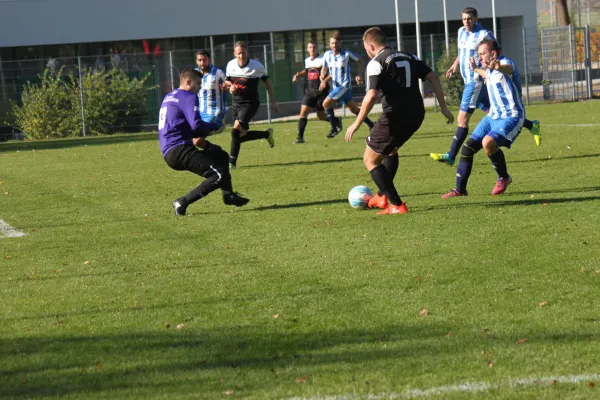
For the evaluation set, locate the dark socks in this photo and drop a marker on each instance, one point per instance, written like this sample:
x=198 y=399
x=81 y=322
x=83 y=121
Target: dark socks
x=254 y=135
x=385 y=183
x=463 y=171
x=235 y=146
x=528 y=124
x=458 y=140
x=391 y=164
x=201 y=190
x=301 y=127
x=499 y=163
x=331 y=118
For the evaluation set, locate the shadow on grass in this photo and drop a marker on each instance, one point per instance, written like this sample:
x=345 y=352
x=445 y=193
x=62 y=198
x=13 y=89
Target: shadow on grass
x=191 y=358
x=75 y=142
x=317 y=162
x=502 y=203
x=555 y=158
x=261 y=356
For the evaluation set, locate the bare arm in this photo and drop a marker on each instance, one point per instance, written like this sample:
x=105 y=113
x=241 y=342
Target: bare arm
x=453 y=68
x=439 y=94
x=298 y=75
x=365 y=109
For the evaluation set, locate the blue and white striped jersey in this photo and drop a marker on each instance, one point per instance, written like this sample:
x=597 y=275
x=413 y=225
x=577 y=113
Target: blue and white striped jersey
x=468 y=42
x=211 y=97
x=339 y=67
x=505 y=96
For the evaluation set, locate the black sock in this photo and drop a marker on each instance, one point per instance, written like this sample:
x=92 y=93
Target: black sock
x=457 y=141
x=254 y=135
x=235 y=146
x=369 y=123
x=391 y=164
x=301 y=127
x=202 y=190
x=499 y=163
x=384 y=182
x=528 y=124
x=331 y=118
x=463 y=172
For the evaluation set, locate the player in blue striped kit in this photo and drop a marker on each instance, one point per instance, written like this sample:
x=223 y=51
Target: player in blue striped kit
x=211 y=97
x=501 y=126
x=336 y=68
x=470 y=35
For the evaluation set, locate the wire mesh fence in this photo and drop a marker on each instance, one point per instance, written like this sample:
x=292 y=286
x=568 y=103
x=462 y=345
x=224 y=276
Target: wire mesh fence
x=568 y=59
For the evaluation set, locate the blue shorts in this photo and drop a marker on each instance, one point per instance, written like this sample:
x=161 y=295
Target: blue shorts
x=475 y=95
x=503 y=131
x=341 y=94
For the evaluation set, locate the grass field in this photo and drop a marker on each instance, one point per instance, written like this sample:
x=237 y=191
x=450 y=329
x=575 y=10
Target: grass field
x=110 y=296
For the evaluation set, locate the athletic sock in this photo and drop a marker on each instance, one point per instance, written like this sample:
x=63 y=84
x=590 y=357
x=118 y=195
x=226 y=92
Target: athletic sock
x=331 y=118
x=391 y=164
x=528 y=124
x=235 y=146
x=463 y=171
x=457 y=141
x=301 y=127
x=384 y=182
x=254 y=135
x=499 y=163
x=201 y=190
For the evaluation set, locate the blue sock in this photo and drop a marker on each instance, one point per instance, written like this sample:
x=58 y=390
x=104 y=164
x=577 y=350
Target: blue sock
x=463 y=171
x=457 y=141
x=499 y=163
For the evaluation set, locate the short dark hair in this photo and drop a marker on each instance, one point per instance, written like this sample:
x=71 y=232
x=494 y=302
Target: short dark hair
x=203 y=52
x=188 y=73
x=471 y=11
x=493 y=44
x=240 y=43
x=335 y=35
x=375 y=34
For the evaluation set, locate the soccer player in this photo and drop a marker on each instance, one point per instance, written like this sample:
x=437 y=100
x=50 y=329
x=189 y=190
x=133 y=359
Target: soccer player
x=336 y=68
x=474 y=92
x=178 y=123
x=211 y=96
x=395 y=75
x=500 y=127
x=314 y=96
x=243 y=75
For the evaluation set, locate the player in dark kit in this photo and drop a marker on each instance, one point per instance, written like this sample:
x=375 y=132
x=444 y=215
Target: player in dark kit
x=178 y=124
x=313 y=97
x=395 y=75
x=243 y=75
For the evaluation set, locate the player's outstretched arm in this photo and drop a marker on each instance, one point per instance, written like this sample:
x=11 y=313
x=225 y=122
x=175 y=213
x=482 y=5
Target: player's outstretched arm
x=433 y=79
x=365 y=108
x=298 y=75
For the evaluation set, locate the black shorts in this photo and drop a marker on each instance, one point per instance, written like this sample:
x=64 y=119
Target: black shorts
x=244 y=113
x=315 y=100
x=390 y=133
x=200 y=162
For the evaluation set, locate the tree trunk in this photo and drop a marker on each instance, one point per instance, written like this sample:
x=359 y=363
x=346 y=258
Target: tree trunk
x=562 y=13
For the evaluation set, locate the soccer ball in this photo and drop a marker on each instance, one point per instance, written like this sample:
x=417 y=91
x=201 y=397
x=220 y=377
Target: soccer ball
x=359 y=196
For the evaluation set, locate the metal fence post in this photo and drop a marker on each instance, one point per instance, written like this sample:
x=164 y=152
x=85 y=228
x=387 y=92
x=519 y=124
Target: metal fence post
x=588 y=62
x=433 y=67
x=268 y=97
x=526 y=68
x=572 y=52
x=81 y=94
x=212 y=48
x=171 y=69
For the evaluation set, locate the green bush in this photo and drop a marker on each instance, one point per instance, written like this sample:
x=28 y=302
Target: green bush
x=52 y=109
x=453 y=87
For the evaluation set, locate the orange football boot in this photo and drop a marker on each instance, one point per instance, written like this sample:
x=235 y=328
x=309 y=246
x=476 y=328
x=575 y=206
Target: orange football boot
x=378 y=201
x=392 y=209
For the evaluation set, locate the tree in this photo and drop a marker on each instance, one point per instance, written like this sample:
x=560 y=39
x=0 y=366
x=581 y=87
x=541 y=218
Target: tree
x=562 y=13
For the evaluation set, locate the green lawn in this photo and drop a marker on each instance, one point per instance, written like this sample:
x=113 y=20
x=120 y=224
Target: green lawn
x=297 y=295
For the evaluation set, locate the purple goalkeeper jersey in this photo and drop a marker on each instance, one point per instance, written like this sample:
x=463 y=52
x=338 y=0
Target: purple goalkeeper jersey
x=179 y=121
